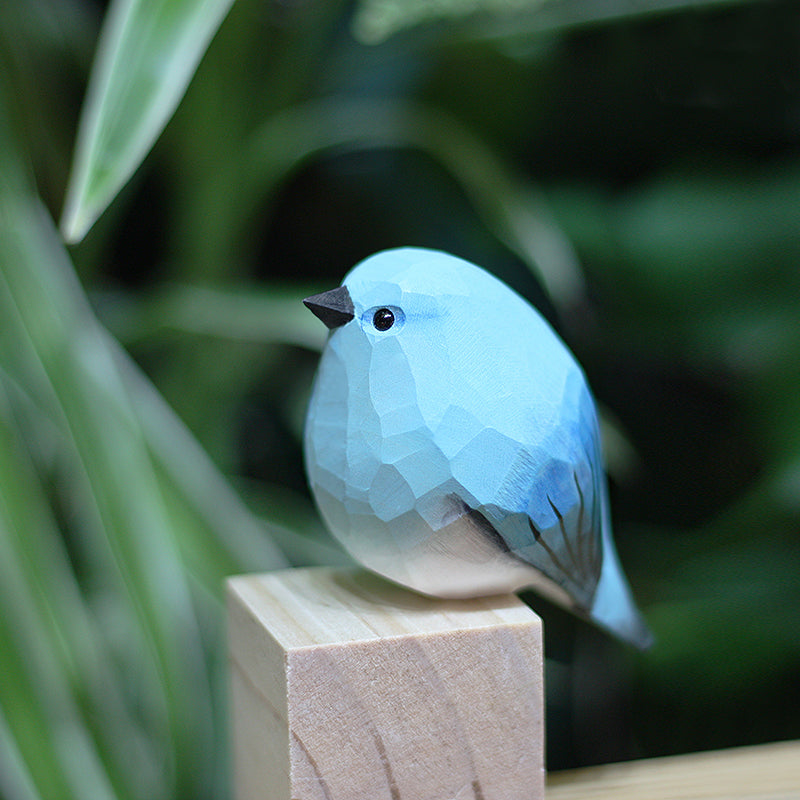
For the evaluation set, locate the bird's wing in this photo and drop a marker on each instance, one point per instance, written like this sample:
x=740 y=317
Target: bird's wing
x=557 y=526
x=569 y=551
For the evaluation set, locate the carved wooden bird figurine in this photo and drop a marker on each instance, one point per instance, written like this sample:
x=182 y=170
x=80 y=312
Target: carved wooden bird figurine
x=452 y=444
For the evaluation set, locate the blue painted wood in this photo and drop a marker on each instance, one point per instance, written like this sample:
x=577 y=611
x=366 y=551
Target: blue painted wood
x=452 y=443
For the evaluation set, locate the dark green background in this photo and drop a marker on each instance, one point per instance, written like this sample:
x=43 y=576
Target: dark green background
x=665 y=148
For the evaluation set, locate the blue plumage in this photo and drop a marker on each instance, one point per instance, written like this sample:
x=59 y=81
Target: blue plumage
x=452 y=443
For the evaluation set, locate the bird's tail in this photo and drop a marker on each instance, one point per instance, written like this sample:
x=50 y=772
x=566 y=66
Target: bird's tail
x=613 y=607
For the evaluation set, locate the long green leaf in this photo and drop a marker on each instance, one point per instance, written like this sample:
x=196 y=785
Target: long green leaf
x=69 y=622
x=120 y=478
x=263 y=315
x=190 y=478
x=49 y=732
x=147 y=54
x=16 y=782
x=377 y=20
x=50 y=333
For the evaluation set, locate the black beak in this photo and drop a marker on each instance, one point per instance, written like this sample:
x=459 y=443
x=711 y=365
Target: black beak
x=334 y=307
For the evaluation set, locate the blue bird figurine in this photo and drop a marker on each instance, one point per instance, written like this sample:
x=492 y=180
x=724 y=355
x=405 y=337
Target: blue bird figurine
x=451 y=441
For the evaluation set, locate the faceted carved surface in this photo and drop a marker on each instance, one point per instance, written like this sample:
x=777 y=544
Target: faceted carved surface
x=457 y=450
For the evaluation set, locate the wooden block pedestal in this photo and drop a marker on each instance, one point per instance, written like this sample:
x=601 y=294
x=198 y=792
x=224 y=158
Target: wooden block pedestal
x=346 y=687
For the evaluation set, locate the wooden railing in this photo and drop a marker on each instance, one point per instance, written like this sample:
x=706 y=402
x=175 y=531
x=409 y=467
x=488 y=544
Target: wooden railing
x=763 y=772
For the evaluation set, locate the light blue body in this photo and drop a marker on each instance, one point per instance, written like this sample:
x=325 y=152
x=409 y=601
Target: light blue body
x=458 y=451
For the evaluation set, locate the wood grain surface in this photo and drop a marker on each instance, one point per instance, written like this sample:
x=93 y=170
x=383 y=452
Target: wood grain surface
x=346 y=687
x=763 y=772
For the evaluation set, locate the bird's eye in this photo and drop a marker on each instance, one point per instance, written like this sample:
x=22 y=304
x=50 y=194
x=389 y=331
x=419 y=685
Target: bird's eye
x=383 y=319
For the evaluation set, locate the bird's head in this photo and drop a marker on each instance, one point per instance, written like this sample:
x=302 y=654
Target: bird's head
x=411 y=286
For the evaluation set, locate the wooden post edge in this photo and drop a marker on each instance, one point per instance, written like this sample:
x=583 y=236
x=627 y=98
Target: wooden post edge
x=347 y=687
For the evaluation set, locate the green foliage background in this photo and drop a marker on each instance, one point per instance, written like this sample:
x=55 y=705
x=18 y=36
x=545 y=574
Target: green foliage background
x=633 y=168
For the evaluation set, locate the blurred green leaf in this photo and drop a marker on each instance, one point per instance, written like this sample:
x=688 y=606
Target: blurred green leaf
x=700 y=244
x=225 y=530
x=146 y=519
x=516 y=212
x=520 y=19
x=39 y=295
x=61 y=620
x=146 y=56
x=16 y=782
x=35 y=692
x=262 y=315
